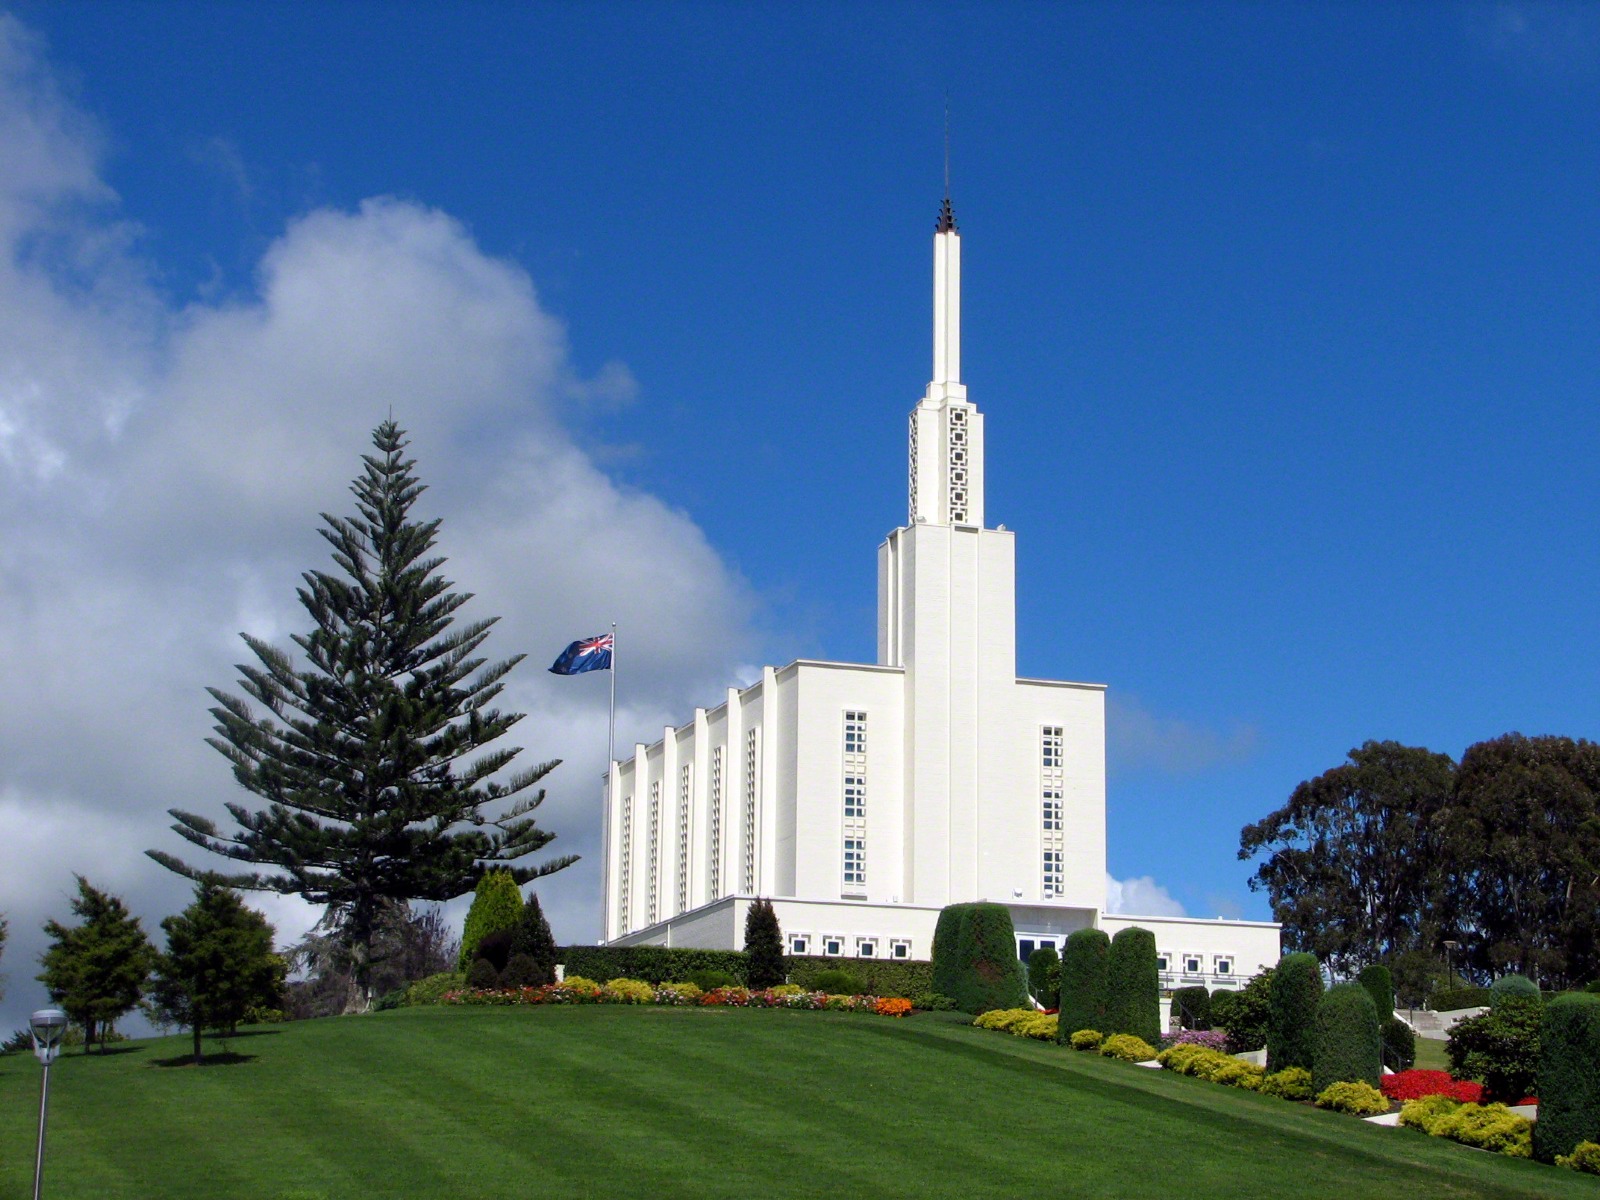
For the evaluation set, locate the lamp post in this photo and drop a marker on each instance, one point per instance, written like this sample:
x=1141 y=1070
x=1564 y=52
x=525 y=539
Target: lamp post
x=1450 y=949
x=47 y=1026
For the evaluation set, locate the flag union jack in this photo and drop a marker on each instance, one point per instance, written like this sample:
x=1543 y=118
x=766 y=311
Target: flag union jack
x=585 y=654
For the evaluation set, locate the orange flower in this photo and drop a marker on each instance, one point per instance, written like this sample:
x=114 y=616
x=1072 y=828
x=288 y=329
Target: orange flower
x=891 y=1006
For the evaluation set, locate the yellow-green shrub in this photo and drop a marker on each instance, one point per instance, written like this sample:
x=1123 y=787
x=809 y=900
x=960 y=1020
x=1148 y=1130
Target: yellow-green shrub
x=786 y=989
x=1087 y=1039
x=1491 y=1127
x=1585 y=1157
x=628 y=991
x=1038 y=1025
x=1239 y=1074
x=1291 y=1083
x=1357 y=1099
x=1001 y=1018
x=1127 y=1047
x=1425 y=1113
x=1188 y=1059
x=584 y=987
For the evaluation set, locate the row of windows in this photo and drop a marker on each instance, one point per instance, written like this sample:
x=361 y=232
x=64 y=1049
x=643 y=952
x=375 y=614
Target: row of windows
x=716 y=823
x=1195 y=964
x=1052 y=822
x=837 y=945
x=855 y=804
x=684 y=781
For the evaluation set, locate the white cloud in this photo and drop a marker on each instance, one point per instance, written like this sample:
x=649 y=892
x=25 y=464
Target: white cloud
x=1139 y=739
x=161 y=469
x=1140 y=896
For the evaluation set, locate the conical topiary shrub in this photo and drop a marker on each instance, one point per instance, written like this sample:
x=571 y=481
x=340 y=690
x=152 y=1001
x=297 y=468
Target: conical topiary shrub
x=1569 y=1075
x=1083 y=982
x=1292 y=1013
x=1133 y=994
x=1349 y=1044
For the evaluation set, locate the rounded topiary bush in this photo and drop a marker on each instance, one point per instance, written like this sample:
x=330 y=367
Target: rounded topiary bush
x=482 y=976
x=1508 y=986
x=945 y=936
x=1191 y=1008
x=710 y=981
x=1133 y=991
x=988 y=974
x=496 y=948
x=837 y=982
x=1083 y=981
x=1044 y=975
x=1399 y=1045
x=521 y=971
x=1380 y=986
x=1292 y=1012
x=1569 y=1075
x=1349 y=1041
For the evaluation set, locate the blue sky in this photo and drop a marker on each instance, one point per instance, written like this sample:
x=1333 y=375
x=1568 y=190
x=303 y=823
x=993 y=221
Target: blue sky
x=1282 y=318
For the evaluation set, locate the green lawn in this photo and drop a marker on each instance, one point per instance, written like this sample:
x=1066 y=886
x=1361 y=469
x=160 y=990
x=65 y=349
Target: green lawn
x=646 y=1102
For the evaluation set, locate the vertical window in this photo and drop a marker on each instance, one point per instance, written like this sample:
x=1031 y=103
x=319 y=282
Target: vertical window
x=751 y=790
x=653 y=857
x=913 y=458
x=799 y=943
x=625 y=853
x=855 y=803
x=1052 y=822
x=684 y=778
x=715 y=864
x=958 y=465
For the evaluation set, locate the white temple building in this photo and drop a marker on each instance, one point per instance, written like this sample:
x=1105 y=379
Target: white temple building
x=861 y=799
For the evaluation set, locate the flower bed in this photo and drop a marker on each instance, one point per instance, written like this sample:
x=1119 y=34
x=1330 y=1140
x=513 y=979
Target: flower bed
x=576 y=990
x=1415 y=1084
x=1211 y=1039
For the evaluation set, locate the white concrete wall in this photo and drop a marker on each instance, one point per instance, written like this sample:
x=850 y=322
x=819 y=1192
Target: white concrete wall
x=1246 y=947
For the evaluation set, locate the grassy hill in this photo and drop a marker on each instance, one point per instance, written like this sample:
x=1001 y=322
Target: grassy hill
x=645 y=1102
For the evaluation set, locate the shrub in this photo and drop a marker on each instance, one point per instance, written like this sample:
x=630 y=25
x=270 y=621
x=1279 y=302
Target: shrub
x=1357 y=1099
x=628 y=991
x=934 y=1002
x=481 y=975
x=432 y=989
x=653 y=964
x=1424 y=1113
x=1133 y=985
x=1380 y=986
x=1189 y=1059
x=678 y=993
x=1492 y=1127
x=1128 y=1047
x=710 y=981
x=1349 y=1045
x=1245 y=1015
x=1399 y=1045
x=496 y=905
x=1592 y=986
x=1000 y=1018
x=580 y=986
x=763 y=945
x=787 y=989
x=1083 y=979
x=946 y=934
x=534 y=940
x=1191 y=1008
x=1292 y=1016
x=522 y=971
x=1568 y=1078
x=1044 y=966
x=987 y=973
x=1585 y=1157
x=1038 y=1025
x=1086 y=1039
x=1291 y=1083
x=1415 y=1085
x=1237 y=1073
x=1456 y=998
x=495 y=948
x=1500 y=1047
x=906 y=978
x=1511 y=985
x=1211 y=1039
x=838 y=982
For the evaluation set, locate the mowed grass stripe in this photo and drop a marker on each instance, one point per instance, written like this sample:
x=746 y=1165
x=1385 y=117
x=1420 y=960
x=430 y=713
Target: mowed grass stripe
x=610 y=1101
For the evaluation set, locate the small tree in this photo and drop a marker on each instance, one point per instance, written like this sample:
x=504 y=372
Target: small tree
x=1291 y=1030
x=534 y=939
x=1349 y=1046
x=987 y=973
x=1379 y=983
x=1044 y=968
x=96 y=971
x=496 y=906
x=1500 y=1047
x=1083 y=982
x=1569 y=1076
x=1191 y=1008
x=218 y=963
x=1245 y=1015
x=763 y=946
x=1133 y=996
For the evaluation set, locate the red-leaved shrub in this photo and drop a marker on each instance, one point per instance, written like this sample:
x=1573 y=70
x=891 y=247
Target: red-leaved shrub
x=1415 y=1084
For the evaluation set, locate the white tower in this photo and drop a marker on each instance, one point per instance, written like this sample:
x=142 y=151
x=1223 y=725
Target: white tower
x=947 y=614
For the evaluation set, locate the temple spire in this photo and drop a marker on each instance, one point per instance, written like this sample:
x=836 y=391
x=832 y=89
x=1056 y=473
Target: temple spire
x=946 y=298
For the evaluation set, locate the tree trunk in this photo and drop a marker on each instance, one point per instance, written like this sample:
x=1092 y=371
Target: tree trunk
x=197 y=1054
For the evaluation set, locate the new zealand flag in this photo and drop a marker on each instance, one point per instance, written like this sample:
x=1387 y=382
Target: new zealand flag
x=585 y=654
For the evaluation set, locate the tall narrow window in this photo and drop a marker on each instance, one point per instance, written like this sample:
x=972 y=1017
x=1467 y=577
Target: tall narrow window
x=855 y=803
x=1052 y=816
x=714 y=865
x=684 y=778
x=625 y=853
x=653 y=857
x=751 y=791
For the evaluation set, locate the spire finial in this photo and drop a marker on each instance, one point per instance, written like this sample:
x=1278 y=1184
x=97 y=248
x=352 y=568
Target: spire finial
x=947 y=214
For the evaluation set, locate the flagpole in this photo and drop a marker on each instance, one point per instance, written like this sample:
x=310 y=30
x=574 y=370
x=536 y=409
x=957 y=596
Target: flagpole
x=611 y=737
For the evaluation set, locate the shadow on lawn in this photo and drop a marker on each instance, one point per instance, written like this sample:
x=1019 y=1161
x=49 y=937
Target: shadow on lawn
x=224 y=1058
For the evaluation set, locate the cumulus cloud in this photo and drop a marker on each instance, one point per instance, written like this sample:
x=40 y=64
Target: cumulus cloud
x=1139 y=739
x=161 y=468
x=1140 y=896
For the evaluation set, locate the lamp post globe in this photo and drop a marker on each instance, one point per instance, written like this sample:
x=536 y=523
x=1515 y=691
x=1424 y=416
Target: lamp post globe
x=48 y=1026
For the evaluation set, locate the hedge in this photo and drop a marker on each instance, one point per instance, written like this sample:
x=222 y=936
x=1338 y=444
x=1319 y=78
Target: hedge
x=652 y=964
x=1451 y=999
x=981 y=970
x=1349 y=1042
x=896 y=977
x=1380 y=986
x=1569 y=1075
x=1292 y=1013
x=1191 y=1008
x=1083 y=981
x=1133 y=985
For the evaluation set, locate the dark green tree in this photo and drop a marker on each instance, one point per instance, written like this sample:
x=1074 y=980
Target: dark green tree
x=1044 y=975
x=1348 y=1039
x=1499 y=1047
x=986 y=972
x=96 y=970
x=1083 y=982
x=946 y=932
x=1349 y=865
x=1379 y=983
x=1246 y=1015
x=496 y=908
x=1416 y=973
x=763 y=946
x=1291 y=1030
x=1569 y=1076
x=218 y=964
x=373 y=754
x=534 y=939
x=1191 y=1008
x=1133 y=993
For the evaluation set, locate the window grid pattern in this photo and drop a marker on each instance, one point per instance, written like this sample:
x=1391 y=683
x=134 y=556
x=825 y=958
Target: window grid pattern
x=715 y=865
x=912 y=486
x=855 y=803
x=625 y=853
x=653 y=857
x=1052 y=784
x=751 y=790
x=684 y=779
x=958 y=465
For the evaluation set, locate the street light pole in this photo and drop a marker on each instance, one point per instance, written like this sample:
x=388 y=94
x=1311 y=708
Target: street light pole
x=1450 y=961
x=47 y=1027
